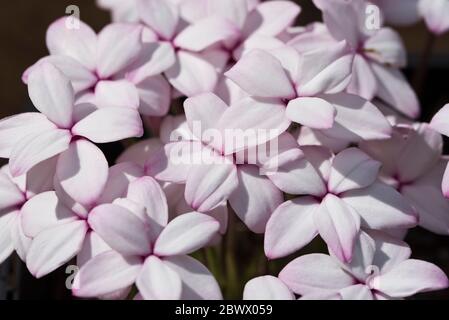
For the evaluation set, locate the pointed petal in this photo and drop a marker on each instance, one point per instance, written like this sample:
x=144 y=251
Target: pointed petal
x=352 y=169
x=314 y=113
x=192 y=74
x=254 y=208
x=106 y=273
x=159 y=15
x=272 y=82
x=109 y=125
x=197 y=281
x=55 y=246
x=158 y=281
x=52 y=94
x=440 y=121
x=122 y=230
x=119 y=45
x=44 y=211
x=82 y=172
x=315 y=273
x=77 y=43
x=410 y=277
x=381 y=206
x=205 y=33
x=291 y=227
x=186 y=234
x=35 y=149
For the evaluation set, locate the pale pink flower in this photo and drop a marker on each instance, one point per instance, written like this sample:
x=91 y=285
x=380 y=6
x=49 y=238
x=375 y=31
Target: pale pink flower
x=306 y=89
x=194 y=69
x=412 y=163
x=58 y=222
x=149 y=251
x=440 y=124
x=379 y=53
x=14 y=194
x=267 y=288
x=381 y=269
x=30 y=138
x=343 y=196
x=96 y=64
x=208 y=168
x=435 y=14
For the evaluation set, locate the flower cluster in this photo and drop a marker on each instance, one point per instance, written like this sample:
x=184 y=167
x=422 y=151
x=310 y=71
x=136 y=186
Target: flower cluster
x=301 y=132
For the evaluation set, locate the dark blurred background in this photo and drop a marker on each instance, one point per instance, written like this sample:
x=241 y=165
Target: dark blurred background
x=23 y=24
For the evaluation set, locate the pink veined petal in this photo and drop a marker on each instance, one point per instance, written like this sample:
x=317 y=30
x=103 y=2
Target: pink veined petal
x=386 y=47
x=119 y=45
x=381 y=207
x=119 y=178
x=357 y=119
x=160 y=15
x=204 y=110
x=82 y=171
x=116 y=94
x=55 y=246
x=122 y=230
x=10 y=194
x=325 y=70
x=186 y=234
x=139 y=152
x=314 y=113
x=267 y=288
x=394 y=89
x=109 y=125
x=192 y=74
x=197 y=281
x=261 y=75
x=338 y=224
x=271 y=18
x=158 y=281
x=291 y=227
x=363 y=82
x=17 y=127
x=362 y=266
x=254 y=208
x=42 y=212
x=6 y=243
x=34 y=149
x=93 y=246
x=356 y=292
x=64 y=38
x=208 y=185
x=81 y=77
x=52 y=94
x=40 y=178
x=315 y=273
x=352 y=169
x=205 y=33
x=410 y=277
x=321 y=159
x=147 y=192
x=435 y=15
x=106 y=273
x=155 y=96
x=20 y=241
x=252 y=122
x=440 y=121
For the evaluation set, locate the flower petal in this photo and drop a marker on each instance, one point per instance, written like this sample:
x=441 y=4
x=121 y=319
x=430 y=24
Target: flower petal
x=291 y=227
x=267 y=288
x=314 y=113
x=186 y=234
x=159 y=15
